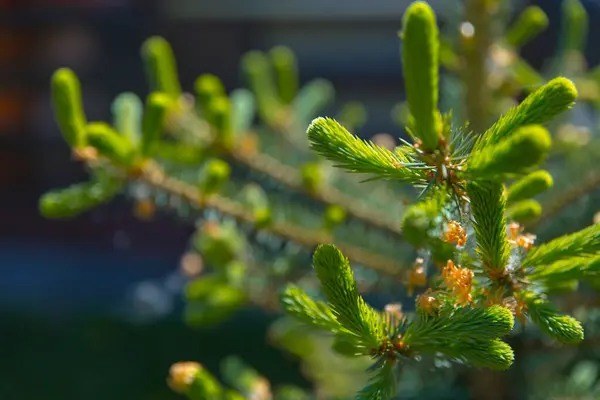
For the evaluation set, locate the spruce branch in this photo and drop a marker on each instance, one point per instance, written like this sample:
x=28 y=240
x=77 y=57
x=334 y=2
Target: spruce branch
x=527 y=147
x=68 y=107
x=420 y=59
x=493 y=354
x=127 y=111
x=156 y=177
x=455 y=326
x=298 y=303
x=575 y=23
x=539 y=107
x=286 y=72
x=78 y=198
x=340 y=289
x=585 y=242
x=530 y=23
x=569 y=268
x=488 y=203
x=563 y=328
x=110 y=144
x=382 y=385
x=331 y=140
x=529 y=186
x=525 y=212
x=161 y=67
x=324 y=193
x=312 y=97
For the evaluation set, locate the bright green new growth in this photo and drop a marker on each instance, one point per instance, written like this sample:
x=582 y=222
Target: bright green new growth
x=468 y=334
x=220 y=111
x=68 y=106
x=575 y=25
x=570 y=268
x=341 y=291
x=110 y=144
x=127 y=110
x=488 y=203
x=204 y=387
x=316 y=313
x=77 y=199
x=331 y=140
x=258 y=74
x=312 y=97
x=527 y=147
x=243 y=109
x=530 y=186
x=208 y=87
x=539 y=107
x=525 y=211
x=563 y=328
x=213 y=176
x=586 y=242
x=530 y=23
x=420 y=53
x=286 y=72
x=161 y=67
x=155 y=116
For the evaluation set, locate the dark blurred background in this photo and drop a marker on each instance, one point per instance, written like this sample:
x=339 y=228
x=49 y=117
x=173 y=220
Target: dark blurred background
x=89 y=307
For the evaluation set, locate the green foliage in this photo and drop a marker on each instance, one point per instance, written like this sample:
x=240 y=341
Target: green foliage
x=488 y=203
x=420 y=52
x=258 y=74
x=575 y=20
x=569 y=268
x=220 y=111
x=530 y=23
x=110 y=144
x=527 y=147
x=78 y=198
x=161 y=68
x=341 y=291
x=539 y=107
x=155 y=115
x=472 y=323
x=68 y=106
x=563 y=328
x=460 y=176
x=286 y=72
x=243 y=108
x=208 y=87
x=331 y=140
x=525 y=212
x=213 y=176
x=312 y=97
x=297 y=303
x=127 y=110
x=583 y=243
x=529 y=186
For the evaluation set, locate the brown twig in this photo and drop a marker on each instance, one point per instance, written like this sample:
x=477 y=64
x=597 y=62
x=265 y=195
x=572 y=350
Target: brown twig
x=153 y=175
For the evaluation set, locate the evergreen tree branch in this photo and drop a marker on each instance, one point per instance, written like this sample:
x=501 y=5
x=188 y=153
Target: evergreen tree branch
x=488 y=203
x=539 y=107
x=585 y=242
x=340 y=289
x=524 y=149
x=316 y=313
x=458 y=326
x=331 y=140
x=420 y=59
x=563 y=328
x=570 y=268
